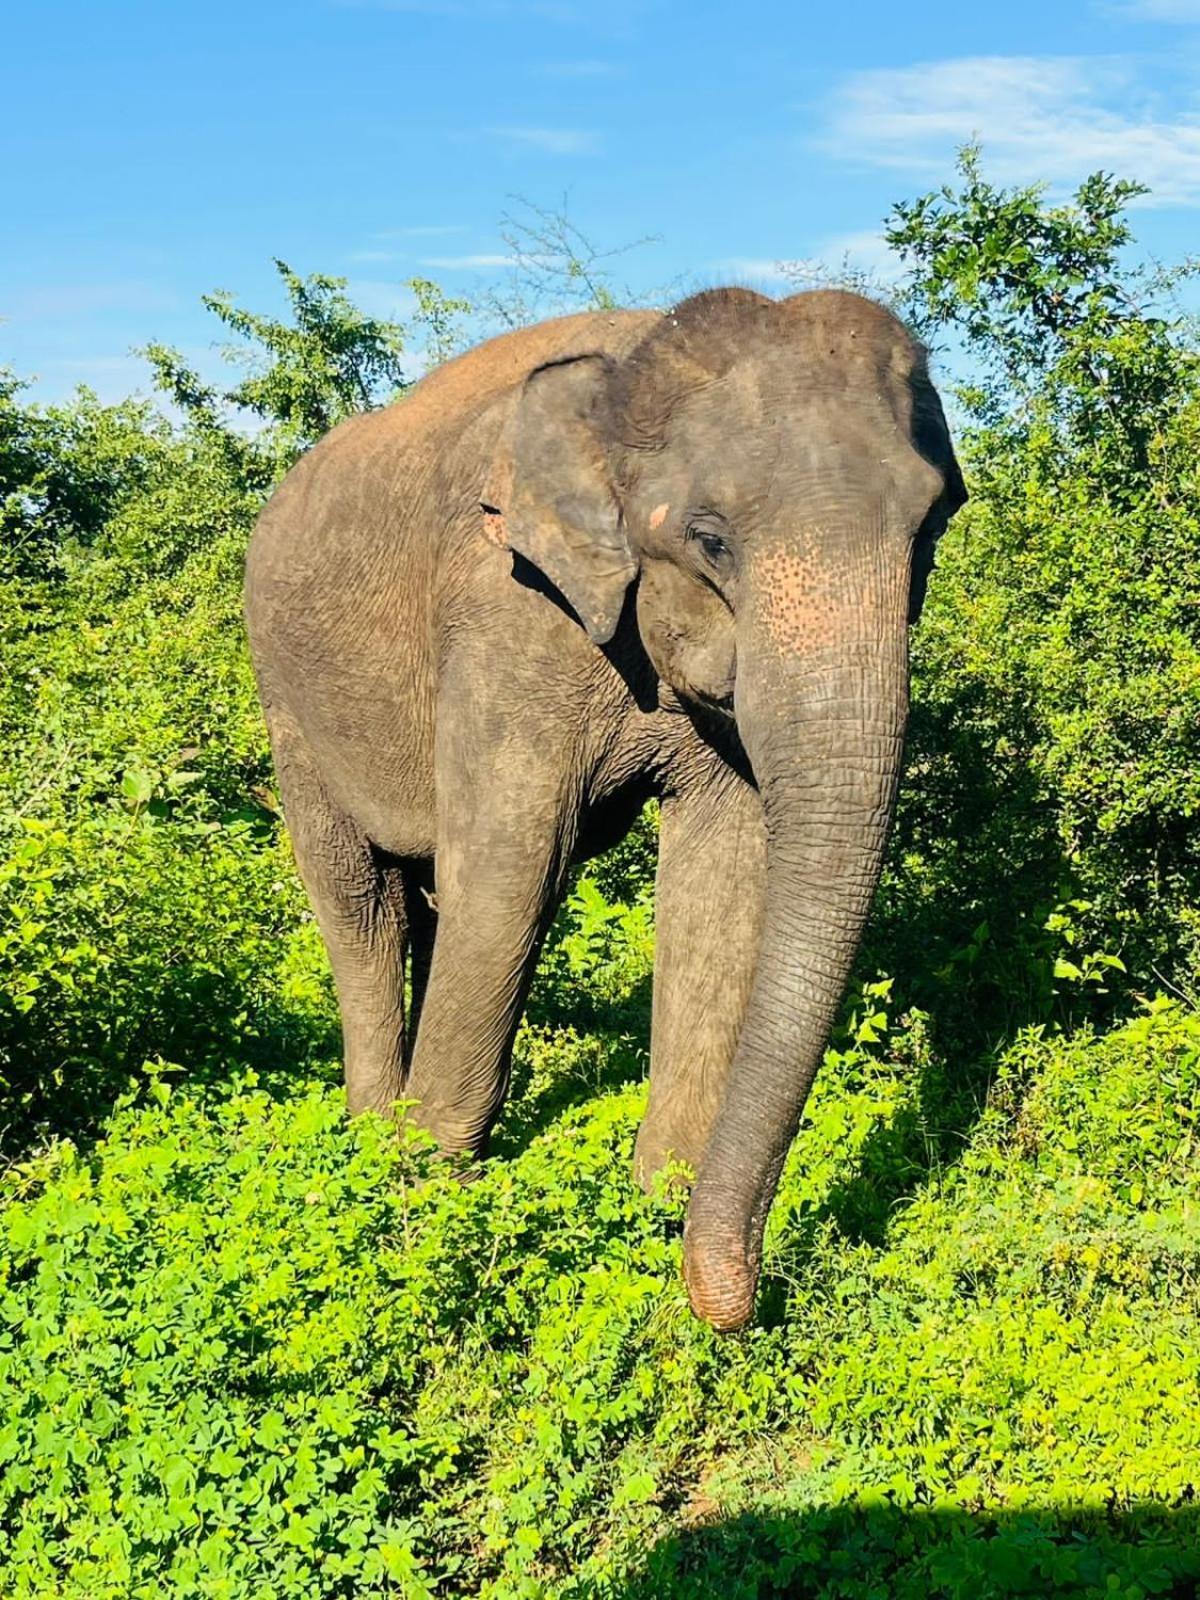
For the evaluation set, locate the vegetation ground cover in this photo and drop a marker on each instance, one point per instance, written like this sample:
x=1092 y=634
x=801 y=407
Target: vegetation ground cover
x=248 y=1347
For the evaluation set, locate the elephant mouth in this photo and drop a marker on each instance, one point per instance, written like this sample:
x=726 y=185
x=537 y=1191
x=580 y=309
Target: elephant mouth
x=723 y=704
x=715 y=700
x=687 y=700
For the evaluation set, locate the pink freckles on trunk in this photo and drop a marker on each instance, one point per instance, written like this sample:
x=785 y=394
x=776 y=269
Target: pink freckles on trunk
x=807 y=602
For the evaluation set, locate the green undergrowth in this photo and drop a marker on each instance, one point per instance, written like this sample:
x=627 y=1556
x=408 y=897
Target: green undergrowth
x=251 y=1348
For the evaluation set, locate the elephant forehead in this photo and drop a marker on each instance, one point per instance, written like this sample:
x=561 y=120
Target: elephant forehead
x=812 y=593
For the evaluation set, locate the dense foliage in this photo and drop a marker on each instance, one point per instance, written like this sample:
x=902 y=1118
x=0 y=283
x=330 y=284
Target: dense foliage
x=1057 y=737
x=248 y=1348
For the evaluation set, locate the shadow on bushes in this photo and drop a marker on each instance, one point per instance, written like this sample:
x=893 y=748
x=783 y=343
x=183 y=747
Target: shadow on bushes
x=975 y=868
x=202 y=1023
x=622 y=1029
x=885 y=1554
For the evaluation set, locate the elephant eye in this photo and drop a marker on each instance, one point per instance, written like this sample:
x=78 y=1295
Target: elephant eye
x=716 y=551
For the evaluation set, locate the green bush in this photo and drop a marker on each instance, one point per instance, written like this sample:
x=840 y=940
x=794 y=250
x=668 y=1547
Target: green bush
x=254 y=1348
x=1055 y=746
x=146 y=900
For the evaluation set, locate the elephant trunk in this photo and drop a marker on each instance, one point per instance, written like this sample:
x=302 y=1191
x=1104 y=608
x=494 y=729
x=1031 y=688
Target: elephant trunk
x=824 y=731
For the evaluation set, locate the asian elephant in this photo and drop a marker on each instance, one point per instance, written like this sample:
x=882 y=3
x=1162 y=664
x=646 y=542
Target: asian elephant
x=612 y=556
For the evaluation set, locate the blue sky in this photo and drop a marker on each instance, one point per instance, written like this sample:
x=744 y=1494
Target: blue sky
x=154 y=150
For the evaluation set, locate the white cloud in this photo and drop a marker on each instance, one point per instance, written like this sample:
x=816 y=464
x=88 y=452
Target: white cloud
x=553 y=141
x=760 y=269
x=1052 y=119
x=577 y=69
x=85 y=299
x=454 y=263
x=392 y=301
x=112 y=378
x=372 y=255
x=415 y=363
x=424 y=231
x=862 y=251
x=474 y=10
x=1162 y=10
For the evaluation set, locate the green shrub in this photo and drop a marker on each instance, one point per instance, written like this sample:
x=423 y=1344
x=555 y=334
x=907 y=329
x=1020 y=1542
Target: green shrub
x=1055 y=745
x=252 y=1347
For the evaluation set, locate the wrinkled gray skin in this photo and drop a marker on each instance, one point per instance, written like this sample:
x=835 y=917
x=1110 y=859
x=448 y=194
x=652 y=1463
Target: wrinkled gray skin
x=612 y=556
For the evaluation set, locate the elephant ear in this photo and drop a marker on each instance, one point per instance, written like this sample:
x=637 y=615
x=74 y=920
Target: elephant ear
x=931 y=436
x=550 y=495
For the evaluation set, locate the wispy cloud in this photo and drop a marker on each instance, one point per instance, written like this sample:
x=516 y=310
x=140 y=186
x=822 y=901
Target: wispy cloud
x=476 y=10
x=577 y=69
x=1160 y=10
x=86 y=299
x=453 y=263
x=387 y=238
x=862 y=251
x=759 y=269
x=379 y=298
x=112 y=378
x=1048 y=118
x=552 y=141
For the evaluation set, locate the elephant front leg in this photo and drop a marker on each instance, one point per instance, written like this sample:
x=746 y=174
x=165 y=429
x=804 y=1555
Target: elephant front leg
x=708 y=919
x=495 y=894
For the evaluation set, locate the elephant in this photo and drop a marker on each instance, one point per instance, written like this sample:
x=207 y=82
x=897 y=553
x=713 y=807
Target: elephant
x=613 y=556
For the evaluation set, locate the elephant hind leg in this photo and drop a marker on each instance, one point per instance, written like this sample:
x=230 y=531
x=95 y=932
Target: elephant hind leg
x=360 y=909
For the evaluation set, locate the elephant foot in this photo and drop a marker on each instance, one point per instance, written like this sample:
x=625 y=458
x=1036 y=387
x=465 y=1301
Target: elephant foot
x=663 y=1157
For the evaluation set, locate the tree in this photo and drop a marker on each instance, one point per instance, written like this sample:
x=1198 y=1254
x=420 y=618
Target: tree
x=1055 y=745
x=555 y=268
x=1058 y=326
x=305 y=374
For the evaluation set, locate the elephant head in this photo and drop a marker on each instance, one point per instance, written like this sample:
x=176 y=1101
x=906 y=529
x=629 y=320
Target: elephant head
x=774 y=474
